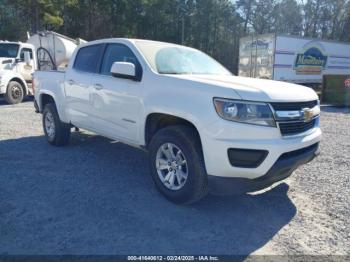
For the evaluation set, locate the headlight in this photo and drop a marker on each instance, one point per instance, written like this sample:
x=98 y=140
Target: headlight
x=244 y=112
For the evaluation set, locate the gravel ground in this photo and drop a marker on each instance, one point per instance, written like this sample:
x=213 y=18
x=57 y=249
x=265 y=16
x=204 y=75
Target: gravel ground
x=96 y=197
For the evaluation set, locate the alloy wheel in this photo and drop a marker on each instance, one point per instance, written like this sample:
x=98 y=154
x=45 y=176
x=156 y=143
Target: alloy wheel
x=171 y=166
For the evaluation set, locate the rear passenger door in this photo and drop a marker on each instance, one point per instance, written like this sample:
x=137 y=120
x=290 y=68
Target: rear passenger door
x=116 y=102
x=78 y=84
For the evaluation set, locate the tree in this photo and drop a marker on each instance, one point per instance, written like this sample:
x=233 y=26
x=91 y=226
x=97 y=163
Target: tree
x=214 y=26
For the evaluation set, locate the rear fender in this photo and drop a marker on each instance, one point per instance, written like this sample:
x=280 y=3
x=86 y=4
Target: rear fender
x=56 y=98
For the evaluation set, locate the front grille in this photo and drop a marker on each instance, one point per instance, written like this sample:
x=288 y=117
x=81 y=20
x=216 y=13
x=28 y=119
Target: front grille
x=294 y=106
x=297 y=127
x=291 y=126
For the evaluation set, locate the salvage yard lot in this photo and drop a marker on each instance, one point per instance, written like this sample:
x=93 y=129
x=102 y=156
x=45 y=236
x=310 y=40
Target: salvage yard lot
x=96 y=196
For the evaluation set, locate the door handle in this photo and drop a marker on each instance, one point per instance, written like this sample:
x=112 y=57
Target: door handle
x=71 y=82
x=98 y=86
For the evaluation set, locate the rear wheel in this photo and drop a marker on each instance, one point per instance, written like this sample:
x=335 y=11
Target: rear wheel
x=177 y=165
x=57 y=133
x=15 y=93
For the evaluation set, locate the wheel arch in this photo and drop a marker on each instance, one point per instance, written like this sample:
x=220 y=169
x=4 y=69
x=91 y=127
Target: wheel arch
x=47 y=96
x=156 y=121
x=46 y=99
x=21 y=82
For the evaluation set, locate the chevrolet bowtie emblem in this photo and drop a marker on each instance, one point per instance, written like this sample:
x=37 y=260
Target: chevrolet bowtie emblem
x=308 y=114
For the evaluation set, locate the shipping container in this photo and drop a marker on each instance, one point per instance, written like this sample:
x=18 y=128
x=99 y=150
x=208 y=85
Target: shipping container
x=292 y=59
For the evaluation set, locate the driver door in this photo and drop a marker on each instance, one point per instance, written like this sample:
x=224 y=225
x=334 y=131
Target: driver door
x=116 y=102
x=22 y=68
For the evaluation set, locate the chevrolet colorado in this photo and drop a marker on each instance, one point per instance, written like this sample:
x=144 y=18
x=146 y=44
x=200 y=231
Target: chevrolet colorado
x=204 y=128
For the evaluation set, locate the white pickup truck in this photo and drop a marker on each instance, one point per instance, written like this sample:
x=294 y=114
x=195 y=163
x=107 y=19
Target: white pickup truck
x=204 y=128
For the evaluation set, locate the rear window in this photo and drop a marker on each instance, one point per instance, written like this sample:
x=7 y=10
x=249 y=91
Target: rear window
x=88 y=58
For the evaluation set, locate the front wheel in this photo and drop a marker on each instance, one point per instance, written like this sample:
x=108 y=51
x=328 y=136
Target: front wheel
x=15 y=93
x=177 y=165
x=57 y=133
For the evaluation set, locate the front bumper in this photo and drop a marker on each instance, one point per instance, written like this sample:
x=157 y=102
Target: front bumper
x=283 y=168
x=218 y=137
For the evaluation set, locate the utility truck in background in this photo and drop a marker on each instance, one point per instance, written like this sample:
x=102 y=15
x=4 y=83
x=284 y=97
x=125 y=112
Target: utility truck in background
x=204 y=128
x=292 y=59
x=43 y=51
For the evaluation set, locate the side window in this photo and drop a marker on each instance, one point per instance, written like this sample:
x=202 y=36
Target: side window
x=88 y=58
x=26 y=50
x=117 y=53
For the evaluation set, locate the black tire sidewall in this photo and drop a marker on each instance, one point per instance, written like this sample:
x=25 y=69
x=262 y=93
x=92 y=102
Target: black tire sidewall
x=195 y=171
x=9 y=97
x=62 y=131
x=49 y=109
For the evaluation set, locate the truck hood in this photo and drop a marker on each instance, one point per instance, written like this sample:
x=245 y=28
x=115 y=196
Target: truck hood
x=3 y=66
x=254 y=89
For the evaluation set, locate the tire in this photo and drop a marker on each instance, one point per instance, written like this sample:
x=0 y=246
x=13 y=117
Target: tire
x=15 y=93
x=192 y=187
x=56 y=132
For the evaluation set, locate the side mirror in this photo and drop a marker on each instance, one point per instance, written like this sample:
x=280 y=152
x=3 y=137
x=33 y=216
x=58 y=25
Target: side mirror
x=27 y=58
x=124 y=70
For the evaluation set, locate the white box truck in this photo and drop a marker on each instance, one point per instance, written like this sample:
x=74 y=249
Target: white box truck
x=45 y=50
x=292 y=59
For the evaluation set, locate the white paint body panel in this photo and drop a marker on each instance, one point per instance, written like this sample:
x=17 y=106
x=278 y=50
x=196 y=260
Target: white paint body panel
x=119 y=110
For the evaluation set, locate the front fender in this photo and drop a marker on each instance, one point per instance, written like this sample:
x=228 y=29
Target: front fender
x=171 y=111
x=7 y=77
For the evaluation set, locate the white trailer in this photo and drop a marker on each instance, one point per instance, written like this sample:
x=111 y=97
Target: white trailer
x=292 y=59
x=43 y=51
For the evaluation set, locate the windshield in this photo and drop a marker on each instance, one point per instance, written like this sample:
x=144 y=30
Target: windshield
x=173 y=59
x=9 y=50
